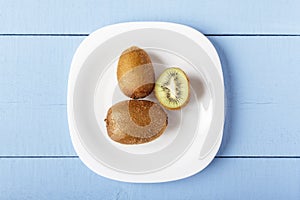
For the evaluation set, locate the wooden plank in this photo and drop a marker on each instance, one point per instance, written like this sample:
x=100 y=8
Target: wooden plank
x=261 y=81
x=223 y=179
x=211 y=17
x=33 y=86
x=262 y=86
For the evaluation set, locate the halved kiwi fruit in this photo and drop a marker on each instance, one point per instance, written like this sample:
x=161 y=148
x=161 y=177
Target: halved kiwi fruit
x=172 y=88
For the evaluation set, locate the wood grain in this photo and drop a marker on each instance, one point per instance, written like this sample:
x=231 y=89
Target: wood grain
x=210 y=17
x=261 y=77
x=223 y=179
x=33 y=87
x=259 y=156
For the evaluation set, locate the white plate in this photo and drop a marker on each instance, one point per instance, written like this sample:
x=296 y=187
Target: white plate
x=194 y=133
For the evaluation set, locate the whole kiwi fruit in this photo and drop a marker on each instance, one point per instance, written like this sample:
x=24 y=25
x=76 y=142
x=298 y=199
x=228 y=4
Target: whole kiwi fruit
x=135 y=121
x=135 y=73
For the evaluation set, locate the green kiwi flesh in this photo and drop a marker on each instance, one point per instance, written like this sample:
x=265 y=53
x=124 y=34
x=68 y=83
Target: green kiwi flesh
x=172 y=88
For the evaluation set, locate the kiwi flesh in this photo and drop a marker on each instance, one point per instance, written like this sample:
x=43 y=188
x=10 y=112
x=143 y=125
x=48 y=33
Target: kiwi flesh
x=135 y=121
x=172 y=88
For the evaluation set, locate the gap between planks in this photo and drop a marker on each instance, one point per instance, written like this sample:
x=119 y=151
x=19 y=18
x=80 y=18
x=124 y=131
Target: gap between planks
x=86 y=34
x=220 y=157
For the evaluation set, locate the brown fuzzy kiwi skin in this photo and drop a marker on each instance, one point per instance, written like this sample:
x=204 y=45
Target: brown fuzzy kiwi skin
x=142 y=91
x=118 y=136
x=186 y=102
x=129 y=59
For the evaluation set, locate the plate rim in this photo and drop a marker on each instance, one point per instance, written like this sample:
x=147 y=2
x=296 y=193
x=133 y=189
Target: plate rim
x=85 y=48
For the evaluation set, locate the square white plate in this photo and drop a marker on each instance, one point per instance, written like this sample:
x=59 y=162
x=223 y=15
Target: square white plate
x=194 y=133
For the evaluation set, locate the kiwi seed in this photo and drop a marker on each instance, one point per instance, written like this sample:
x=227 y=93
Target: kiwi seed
x=172 y=88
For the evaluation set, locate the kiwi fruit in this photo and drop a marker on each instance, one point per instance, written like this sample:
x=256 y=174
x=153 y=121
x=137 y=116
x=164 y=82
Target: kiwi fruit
x=135 y=73
x=135 y=121
x=172 y=88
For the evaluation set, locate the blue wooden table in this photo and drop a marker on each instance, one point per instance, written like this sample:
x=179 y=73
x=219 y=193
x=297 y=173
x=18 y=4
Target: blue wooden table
x=259 y=46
